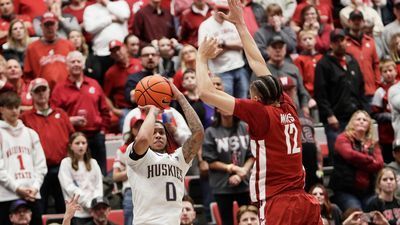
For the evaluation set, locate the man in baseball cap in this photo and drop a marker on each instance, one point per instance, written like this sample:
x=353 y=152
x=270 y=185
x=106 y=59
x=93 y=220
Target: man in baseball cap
x=37 y=83
x=100 y=209
x=20 y=213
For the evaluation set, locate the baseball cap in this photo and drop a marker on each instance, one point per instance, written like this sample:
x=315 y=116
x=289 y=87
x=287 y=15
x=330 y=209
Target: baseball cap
x=114 y=44
x=49 y=17
x=15 y=205
x=336 y=34
x=99 y=200
x=396 y=145
x=287 y=82
x=221 y=4
x=356 y=14
x=38 y=82
x=275 y=39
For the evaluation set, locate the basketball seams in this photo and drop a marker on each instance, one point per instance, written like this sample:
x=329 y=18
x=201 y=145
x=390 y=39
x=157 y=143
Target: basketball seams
x=147 y=89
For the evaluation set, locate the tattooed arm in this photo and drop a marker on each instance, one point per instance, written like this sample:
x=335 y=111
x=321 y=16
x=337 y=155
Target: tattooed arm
x=193 y=144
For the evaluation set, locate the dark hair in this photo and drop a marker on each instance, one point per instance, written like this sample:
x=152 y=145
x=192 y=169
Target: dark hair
x=217 y=121
x=303 y=13
x=188 y=71
x=187 y=198
x=129 y=36
x=326 y=208
x=167 y=134
x=148 y=46
x=10 y=99
x=74 y=160
x=269 y=87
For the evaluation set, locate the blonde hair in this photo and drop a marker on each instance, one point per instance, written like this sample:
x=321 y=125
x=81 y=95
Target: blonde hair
x=393 y=51
x=379 y=177
x=246 y=208
x=303 y=33
x=350 y=130
x=386 y=63
x=183 y=64
x=14 y=44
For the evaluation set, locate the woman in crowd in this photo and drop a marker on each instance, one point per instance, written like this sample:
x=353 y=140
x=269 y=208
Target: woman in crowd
x=247 y=215
x=80 y=175
x=17 y=41
x=77 y=38
x=187 y=56
x=329 y=211
x=310 y=21
x=385 y=201
x=357 y=159
x=14 y=77
x=226 y=149
x=394 y=50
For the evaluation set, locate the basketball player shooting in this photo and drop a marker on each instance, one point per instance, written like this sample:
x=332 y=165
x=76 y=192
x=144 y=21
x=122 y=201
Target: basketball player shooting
x=277 y=178
x=157 y=178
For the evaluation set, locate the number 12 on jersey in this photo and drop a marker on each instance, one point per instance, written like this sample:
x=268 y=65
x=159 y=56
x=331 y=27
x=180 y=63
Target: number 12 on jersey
x=291 y=134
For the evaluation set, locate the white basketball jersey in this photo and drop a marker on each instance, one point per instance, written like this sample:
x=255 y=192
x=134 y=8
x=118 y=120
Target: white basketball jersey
x=157 y=182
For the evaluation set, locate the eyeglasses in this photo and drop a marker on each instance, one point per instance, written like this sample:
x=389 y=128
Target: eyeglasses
x=149 y=54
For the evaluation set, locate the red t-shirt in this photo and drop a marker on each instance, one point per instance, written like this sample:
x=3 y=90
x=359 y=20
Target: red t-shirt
x=88 y=98
x=47 y=60
x=31 y=8
x=115 y=80
x=306 y=65
x=57 y=122
x=275 y=134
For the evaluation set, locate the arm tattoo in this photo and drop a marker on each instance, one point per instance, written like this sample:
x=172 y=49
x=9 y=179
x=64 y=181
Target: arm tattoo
x=193 y=143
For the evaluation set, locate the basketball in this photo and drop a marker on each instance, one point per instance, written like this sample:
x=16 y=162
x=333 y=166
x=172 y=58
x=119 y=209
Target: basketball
x=153 y=90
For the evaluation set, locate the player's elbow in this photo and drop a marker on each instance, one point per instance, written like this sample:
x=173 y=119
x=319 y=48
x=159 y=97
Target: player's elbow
x=198 y=134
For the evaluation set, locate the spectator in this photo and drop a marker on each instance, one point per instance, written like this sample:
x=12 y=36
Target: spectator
x=288 y=7
x=275 y=26
x=392 y=28
x=190 y=22
x=357 y=159
x=99 y=210
x=357 y=216
x=310 y=21
x=76 y=8
x=329 y=211
x=338 y=99
x=4 y=85
x=385 y=200
x=276 y=49
x=21 y=87
x=20 y=213
x=188 y=215
x=247 y=215
x=168 y=61
x=80 y=175
x=67 y=22
x=187 y=57
x=385 y=10
x=115 y=80
x=395 y=165
x=226 y=149
x=362 y=48
x=17 y=41
x=148 y=153
x=79 y=42
x=394 y=102
x=150 y=59
x=46 y=57
x=23 y=164
x=323 y=9
x=120 y=170
x=134 y=6
x=85 y=103
x=152 y=22
x=47 y=121
x=394 y=46
x=370 y=16
x=381 y=110
x=106 y=21
x=307 y=60
x=7 y=15
x=229 y=64
x=132 y=44
x=254 y=15
x=30 y=8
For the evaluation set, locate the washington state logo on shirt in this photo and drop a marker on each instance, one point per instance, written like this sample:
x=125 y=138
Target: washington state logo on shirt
x=51 y=57
x=287 y=118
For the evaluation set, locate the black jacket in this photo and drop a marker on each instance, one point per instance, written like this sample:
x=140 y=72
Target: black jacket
x=338 y=91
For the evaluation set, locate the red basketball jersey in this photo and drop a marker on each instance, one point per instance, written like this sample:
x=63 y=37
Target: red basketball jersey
x=275 y=134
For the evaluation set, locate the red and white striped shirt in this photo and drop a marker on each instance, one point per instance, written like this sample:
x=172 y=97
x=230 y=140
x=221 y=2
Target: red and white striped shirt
x=275 y=134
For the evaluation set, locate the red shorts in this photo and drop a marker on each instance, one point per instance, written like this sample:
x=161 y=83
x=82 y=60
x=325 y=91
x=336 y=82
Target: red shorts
x=291 y=207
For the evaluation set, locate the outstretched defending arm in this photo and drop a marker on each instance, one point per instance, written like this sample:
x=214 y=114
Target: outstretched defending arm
x=253 y=54
x=193 y=144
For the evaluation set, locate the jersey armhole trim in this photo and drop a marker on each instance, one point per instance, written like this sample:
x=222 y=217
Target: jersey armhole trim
x=134 y=156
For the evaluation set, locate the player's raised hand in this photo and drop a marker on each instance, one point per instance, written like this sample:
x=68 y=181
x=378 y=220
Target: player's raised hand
x=151 y=109
x=235 y=14
x=175 y=91
x=209 y=49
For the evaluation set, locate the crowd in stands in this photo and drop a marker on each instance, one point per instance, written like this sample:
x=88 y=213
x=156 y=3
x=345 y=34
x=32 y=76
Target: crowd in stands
x=68 y=70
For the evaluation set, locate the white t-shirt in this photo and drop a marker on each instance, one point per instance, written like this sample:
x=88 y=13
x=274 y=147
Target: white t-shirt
x=230 y=59
x=157 y=182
